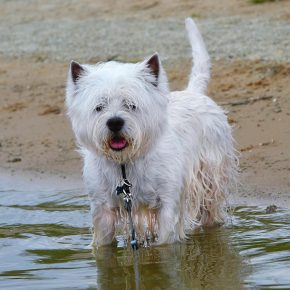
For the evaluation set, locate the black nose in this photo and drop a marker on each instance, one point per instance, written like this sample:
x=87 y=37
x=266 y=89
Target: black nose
x=115 y=124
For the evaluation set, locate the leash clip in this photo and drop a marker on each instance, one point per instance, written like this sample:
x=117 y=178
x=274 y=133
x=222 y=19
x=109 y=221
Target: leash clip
x=127 y=197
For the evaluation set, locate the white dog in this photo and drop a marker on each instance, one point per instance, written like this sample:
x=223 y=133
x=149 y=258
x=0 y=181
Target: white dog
x=177 y=147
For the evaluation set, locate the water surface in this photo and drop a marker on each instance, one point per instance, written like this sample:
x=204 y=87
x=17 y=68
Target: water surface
x=44 y=238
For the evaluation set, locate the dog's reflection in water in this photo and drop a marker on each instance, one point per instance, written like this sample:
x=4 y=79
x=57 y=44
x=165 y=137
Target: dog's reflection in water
x=205 y=261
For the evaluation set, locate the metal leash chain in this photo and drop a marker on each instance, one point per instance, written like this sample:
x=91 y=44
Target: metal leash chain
x=127 y=197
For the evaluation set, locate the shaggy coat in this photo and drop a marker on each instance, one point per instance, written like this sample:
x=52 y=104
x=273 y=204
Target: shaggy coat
x=177 y=146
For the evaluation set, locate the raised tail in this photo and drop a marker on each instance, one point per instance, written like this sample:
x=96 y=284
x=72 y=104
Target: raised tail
x=200 y=72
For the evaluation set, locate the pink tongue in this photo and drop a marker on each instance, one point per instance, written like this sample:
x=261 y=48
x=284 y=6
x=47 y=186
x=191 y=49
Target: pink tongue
x=118 y=143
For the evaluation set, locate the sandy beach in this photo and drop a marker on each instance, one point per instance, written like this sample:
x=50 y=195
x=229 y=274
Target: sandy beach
x=250 y=80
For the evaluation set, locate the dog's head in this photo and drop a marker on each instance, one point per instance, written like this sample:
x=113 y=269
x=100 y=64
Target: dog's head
x=118 y=109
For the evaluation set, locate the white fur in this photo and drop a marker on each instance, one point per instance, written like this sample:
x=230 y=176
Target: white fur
x=181 y=160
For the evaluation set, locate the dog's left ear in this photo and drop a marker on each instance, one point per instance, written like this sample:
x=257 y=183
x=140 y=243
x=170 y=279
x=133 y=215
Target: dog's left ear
x=153 y=64
x=154 y=73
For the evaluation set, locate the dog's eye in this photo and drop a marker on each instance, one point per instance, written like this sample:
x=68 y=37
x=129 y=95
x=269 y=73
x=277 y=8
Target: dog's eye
x=99 y=108
x=130 y=107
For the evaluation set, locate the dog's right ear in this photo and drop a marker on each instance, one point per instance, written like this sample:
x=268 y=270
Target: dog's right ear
x=76 y=71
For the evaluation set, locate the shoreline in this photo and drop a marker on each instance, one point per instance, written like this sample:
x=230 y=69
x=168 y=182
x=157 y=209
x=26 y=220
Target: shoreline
x=246 y=195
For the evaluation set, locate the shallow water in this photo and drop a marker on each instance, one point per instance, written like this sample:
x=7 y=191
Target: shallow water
x=44 y=238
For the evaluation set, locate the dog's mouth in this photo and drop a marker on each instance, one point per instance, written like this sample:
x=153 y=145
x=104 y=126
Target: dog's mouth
x=118 y=143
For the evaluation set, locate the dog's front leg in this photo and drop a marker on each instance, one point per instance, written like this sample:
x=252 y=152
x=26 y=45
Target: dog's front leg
x=168 y=223
x=104 y=225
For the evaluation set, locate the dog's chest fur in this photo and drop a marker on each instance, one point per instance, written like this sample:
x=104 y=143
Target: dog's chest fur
x=149 y=180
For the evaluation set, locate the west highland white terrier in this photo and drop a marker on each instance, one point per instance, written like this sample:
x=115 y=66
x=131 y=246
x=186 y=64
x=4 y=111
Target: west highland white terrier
x=177 y=147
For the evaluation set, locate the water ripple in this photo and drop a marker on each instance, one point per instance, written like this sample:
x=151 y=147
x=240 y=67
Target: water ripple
x=44 y=238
